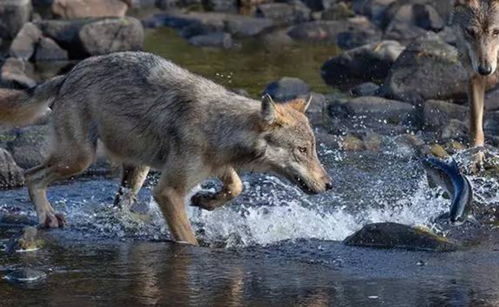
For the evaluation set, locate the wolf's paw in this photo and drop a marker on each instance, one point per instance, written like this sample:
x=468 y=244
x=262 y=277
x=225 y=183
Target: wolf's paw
x=124 y=200
x=53 y=220
x=477 y=162
x=204 y=200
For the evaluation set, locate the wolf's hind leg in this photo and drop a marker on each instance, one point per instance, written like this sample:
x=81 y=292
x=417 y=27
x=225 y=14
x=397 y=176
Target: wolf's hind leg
x=59 y=166
x=232 y=187
x=476 y=93
x=132 y=179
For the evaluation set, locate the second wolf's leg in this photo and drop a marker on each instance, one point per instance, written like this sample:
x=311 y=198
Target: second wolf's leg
x=132 y=179
x=232 y=187
x=60 y=165
x=476 y=95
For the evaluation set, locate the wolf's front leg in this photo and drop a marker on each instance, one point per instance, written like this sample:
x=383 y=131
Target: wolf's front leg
x=476 y=93
x=232 y=187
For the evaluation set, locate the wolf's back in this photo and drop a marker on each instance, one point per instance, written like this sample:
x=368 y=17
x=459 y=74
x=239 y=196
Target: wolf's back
x=22 y=107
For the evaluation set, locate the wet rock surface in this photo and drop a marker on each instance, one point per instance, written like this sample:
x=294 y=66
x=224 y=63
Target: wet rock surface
x=392 y=235
x=287 y=89
x=11 y=175
x=27 y=240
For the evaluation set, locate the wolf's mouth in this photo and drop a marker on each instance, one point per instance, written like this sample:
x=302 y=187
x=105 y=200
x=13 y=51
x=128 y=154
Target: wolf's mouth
x=303 y=186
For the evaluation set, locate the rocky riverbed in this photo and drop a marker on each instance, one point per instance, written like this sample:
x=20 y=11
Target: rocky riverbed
x=387 y=86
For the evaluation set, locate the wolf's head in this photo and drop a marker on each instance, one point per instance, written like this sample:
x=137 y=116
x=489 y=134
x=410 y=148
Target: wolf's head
x=290 y=145
x=478 y=24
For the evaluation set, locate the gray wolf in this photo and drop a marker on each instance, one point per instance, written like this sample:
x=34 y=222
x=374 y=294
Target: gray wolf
x=477 y=29
x=458 y=187
x=150 y=113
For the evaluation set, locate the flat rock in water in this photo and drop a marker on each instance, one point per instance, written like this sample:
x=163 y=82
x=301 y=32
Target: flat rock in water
x=25 y=275
x=25 y=241
x=393 y=235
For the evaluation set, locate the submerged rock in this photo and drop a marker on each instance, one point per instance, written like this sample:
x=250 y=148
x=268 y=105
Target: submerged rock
x=393 y=235
x=217 y=39
x=26 y=241
x=25 y=275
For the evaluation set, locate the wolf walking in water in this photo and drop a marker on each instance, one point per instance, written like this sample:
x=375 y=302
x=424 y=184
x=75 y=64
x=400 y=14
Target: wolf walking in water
x=477 y=28
x=149 y=112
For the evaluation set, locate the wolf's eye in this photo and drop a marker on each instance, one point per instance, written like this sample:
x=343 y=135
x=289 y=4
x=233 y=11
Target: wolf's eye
x=470 y=31
x=302 y=149
x=495 y=32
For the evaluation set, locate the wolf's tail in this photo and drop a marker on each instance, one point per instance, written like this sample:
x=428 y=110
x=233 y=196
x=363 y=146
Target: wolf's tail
x=22 y=107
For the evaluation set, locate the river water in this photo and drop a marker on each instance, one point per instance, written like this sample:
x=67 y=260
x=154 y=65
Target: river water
x=274 y=244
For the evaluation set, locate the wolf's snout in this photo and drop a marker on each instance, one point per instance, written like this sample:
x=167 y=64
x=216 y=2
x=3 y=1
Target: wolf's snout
x=329 y=185
x=485 y=70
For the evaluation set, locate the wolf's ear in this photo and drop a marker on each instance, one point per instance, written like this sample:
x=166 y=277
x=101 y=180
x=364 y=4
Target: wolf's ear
x=269 y=111
x=301 y=104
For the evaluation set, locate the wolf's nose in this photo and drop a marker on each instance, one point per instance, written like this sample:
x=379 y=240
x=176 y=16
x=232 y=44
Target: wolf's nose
x=329 y=186
x=484 y=70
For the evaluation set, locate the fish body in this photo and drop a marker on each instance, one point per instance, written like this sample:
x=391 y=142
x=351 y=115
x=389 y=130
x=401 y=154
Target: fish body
x=458 y=187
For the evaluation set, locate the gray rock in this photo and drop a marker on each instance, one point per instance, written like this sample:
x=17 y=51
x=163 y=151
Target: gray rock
x=347 y=34
x=381 y=109
x=283 y=13
x=338 y=11
x=30 y=146
x=365 y=89
x=26 y=275
x=218 y=39
x=427 y=69
x=13 y=15
x=373 y=9
x=69 y=9
x=413 y=20
x=319 y=5
x=492 y=100
x=48 y=50
x=23 y=46
x=370 y=62
x=392 y=235
x=454 y=130
x=11 y=175
x=112 y=35
x=17 y=72
x=287 y=89
x=437 y=113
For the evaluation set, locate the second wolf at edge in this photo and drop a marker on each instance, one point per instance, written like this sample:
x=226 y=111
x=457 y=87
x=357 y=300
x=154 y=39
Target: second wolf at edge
x=148 y=112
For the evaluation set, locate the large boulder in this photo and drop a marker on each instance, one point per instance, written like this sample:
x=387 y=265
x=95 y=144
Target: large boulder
x=392 y=235
x=370 y=62
x=112 y=35
x=23 y=46
x=11 y=175
x=347 y=34
x=73 y=9
x=66 y=34
x=287 y=89
x=13 y=15
x=427 y=69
